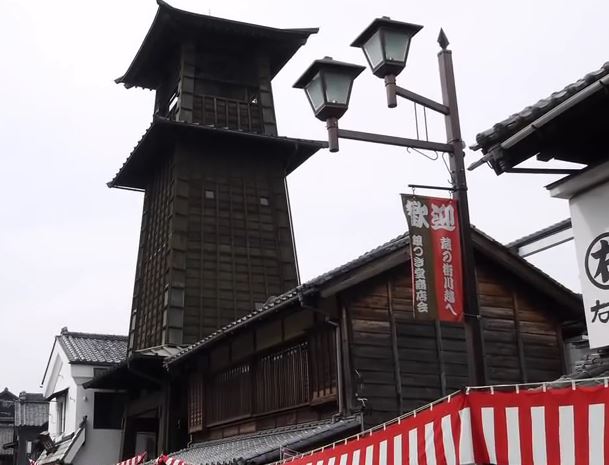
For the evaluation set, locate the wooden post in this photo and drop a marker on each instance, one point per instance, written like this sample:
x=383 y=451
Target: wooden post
x=394 y=349
x=473 y=323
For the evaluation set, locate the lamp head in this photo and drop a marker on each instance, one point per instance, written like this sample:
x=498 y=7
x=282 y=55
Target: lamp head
x=328 y=85
x=385 y=43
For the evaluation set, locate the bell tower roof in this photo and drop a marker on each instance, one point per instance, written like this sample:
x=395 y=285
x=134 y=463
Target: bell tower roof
x=171 y=27
x=164 y=133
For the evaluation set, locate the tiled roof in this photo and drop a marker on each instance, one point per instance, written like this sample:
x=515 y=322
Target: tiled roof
x=6 y=436
x=532 y=268
x=163 y=351
x=293 y=294
x=6 y=394
x=94 y=349
x=67 y=448
x=509 y=126
x=393 y=245
x=162 y=130
x=31 y=410
x=264 y=446
x=170 y=25
x=542 y=233
x=595 y=364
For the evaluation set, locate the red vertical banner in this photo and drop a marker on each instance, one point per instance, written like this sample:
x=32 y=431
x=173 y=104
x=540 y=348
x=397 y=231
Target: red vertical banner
x=435 y=246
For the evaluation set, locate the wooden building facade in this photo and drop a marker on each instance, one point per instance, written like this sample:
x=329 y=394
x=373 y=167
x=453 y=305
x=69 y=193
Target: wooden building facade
x=217 y=347
x=347 y=343
x=216 y=236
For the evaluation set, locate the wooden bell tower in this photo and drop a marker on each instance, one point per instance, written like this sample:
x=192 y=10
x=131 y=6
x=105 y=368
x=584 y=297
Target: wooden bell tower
x=216 y=238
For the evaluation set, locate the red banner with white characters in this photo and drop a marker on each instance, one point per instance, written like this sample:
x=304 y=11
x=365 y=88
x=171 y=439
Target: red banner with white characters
x=567 y=426
x=437 y=278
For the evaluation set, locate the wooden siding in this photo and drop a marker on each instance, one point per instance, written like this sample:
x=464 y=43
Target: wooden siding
x=230 y=90
x=279 y=371
x=235 y=236
x=146 y=327
x=216 y=243
x=400 y=363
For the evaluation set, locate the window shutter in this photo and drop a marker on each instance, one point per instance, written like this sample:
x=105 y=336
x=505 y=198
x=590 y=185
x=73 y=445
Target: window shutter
x=323 y=366
x=195 y=403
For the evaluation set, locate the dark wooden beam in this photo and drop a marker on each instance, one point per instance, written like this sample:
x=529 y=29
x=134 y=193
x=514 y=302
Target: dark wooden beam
x=394 y=349
x=368 y=271
x=440 y=351
x=521 y=358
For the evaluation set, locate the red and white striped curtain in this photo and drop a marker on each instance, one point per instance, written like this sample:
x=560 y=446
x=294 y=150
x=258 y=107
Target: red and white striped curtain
x=533 y=427
x=164 y=460
x=140 y=458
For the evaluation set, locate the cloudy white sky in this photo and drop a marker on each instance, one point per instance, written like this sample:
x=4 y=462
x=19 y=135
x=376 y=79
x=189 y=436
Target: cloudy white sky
x=68 y=243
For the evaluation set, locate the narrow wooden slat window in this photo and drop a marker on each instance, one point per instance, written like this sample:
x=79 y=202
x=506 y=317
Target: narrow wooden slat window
x=229 y=394
x=195 y=403
x=282 y=379
x=323 y=364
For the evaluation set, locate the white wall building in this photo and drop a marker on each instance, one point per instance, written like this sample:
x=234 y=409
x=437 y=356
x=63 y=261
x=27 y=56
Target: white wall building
x=84 y=424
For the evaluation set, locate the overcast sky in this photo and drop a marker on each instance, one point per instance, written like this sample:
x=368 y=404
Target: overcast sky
x=68 y=243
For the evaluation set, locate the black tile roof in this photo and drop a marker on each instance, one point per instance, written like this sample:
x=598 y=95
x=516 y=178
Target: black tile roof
x=482 y=242
x=264 y=446
x=163 y=131
x=66 y=449
x=595 y=364
x=94 y=349
x=510 y=126
x=170 y=25
x=542 y=233
x=31 y=410
x=293 y=294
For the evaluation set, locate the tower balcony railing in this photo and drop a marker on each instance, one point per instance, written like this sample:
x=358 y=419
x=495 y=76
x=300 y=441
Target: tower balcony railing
x=227 y=113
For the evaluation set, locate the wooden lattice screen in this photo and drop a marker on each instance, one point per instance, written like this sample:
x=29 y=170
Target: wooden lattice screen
x=292 y=376
x=230 y=394
x=323 y=363
x=195 y=403
x=282 y=379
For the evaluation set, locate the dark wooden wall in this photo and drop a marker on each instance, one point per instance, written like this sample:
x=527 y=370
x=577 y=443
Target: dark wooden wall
x=235 y=241
x=280 y=372
x=521 y=329
x=400 y=364
x=229 y=89
x=146 y=327
x=216 y=242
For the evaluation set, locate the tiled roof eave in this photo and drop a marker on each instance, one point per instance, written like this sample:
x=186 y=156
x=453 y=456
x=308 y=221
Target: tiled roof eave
x=159 y=122
x=501 y=131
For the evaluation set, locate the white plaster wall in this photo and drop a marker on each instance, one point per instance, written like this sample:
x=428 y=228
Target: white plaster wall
x=59 y=379
x=101 y=446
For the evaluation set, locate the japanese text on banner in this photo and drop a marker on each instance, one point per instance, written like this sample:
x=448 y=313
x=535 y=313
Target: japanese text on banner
x=436 y=257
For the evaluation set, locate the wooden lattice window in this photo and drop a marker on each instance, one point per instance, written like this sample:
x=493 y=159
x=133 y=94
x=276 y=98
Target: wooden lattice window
x=195 y=403
x=230 y=394
x=282 y=379
x=323 y=363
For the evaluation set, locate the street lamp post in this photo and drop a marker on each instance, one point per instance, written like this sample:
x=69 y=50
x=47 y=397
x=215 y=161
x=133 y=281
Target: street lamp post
x=328 y=85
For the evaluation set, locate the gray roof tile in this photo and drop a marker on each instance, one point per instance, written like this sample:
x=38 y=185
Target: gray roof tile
x=595 y=364
x=248 y=447
x=292 y=295
x=509 y=126
x=94 y=349
x=67 y=448
x=31 y=410
x=540 y=234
